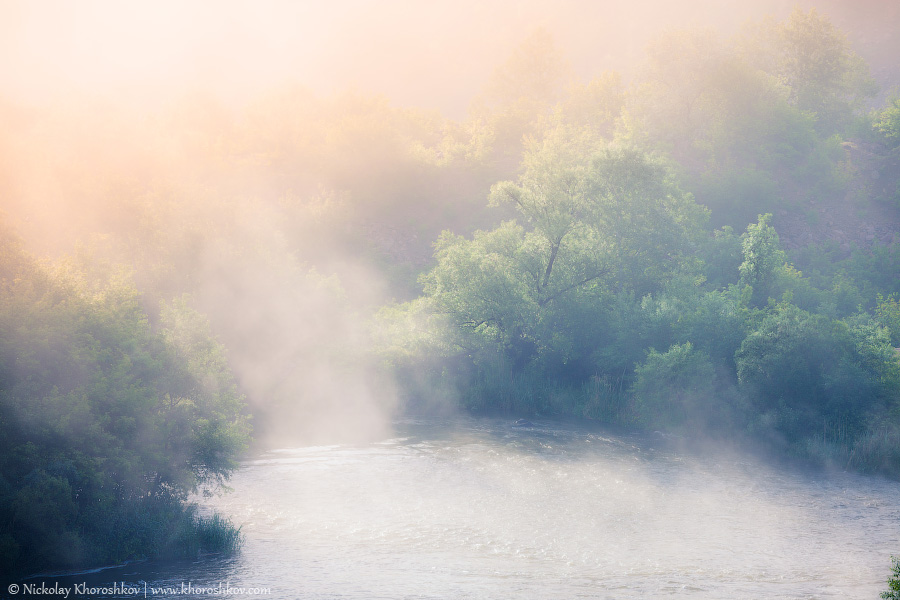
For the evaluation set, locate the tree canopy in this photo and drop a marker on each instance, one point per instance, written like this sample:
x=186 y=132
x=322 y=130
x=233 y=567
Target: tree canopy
x=102 y=415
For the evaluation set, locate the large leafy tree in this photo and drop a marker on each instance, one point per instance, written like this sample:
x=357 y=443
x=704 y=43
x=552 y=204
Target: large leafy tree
x=594 y=223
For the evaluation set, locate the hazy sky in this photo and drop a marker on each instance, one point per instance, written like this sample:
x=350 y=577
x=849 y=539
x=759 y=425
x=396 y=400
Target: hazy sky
x=435 y=53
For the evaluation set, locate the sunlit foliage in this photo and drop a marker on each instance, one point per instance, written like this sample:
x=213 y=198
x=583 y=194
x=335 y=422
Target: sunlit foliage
x=107 y=424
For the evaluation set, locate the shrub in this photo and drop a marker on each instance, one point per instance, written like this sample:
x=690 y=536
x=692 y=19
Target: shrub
x=675 y=388
x=107 y=425
x=893 y=591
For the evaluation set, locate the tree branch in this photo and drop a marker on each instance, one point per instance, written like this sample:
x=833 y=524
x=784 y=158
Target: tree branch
x=553 y=252
x=577 y=284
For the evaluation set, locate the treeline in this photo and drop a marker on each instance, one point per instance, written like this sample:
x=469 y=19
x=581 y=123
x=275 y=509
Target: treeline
x=610 y=295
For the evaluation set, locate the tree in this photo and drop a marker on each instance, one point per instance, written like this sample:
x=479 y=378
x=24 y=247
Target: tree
x=887 y=123
x=763 y=258
x=643 y=224
x=668 y=110
x=814 y=60
x=554 y=195
x=488 y=284
x=749 y=120
x=654 y=228
x=519 y=98
x=887 y=311
x=596 y=223
x=594 y=107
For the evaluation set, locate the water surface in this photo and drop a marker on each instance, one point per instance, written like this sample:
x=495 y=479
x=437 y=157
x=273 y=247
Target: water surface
x=475 y=508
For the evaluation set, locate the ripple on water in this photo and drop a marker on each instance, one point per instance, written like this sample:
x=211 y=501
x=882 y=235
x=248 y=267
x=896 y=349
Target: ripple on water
x=479 y=509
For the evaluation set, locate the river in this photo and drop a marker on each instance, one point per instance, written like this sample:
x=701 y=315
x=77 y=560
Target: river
x=479 y=508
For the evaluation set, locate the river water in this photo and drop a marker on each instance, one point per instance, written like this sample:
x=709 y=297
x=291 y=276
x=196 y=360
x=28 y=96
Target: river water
x=478 y=508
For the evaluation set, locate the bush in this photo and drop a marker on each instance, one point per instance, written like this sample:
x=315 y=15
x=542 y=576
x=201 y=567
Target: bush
x=107 y=425
x=887 y=123
x=676 y=389
x=893 y=591
x=806 y=374
x=887 y=311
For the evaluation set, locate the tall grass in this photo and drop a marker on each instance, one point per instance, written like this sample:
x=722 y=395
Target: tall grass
x=874 y=451
x=208 y=535
x=498 y=388
x=877 y=452
x=606 y=401
x=161 y=528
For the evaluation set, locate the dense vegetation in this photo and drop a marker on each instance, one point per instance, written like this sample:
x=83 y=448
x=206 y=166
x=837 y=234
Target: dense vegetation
x=649 y=255
x=610 y=295
x=106 y=423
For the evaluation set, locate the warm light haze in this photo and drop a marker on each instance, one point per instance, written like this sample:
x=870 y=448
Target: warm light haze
x=450 y=299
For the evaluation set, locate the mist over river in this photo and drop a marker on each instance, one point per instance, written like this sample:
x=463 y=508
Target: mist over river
x=479 y=508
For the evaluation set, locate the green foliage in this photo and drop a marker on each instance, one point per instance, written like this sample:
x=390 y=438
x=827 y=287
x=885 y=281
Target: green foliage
x=722 y=253
x=801 y=370
x=893 y=591
x=714 y=321
x=486 y=285
x=100 y=416
x=621 y=202
x=849 y=282
x=562 y=311
x=876 y=268
x=220 y=432
x=518 y=101
x=763 y=258
x=887 y=312
x=593 y=107
x=676 y=388
x=813 y=58
x=655 y=226
x=598 y=225
x=670 y=109
x=736 y=197
x=755 y=123
x=887 y=122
